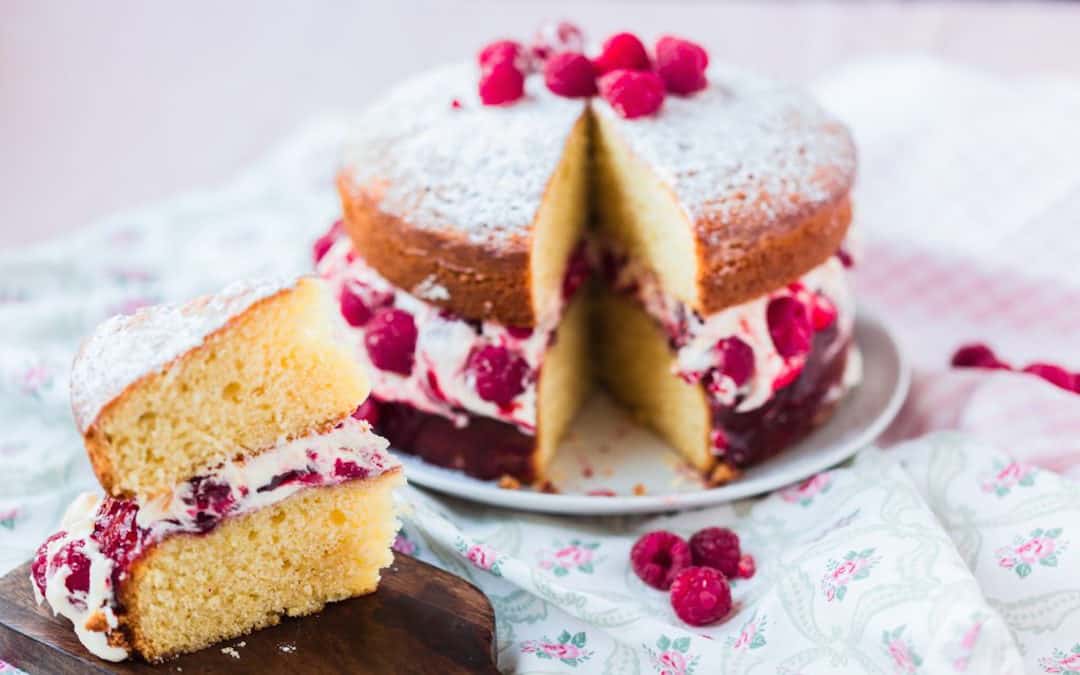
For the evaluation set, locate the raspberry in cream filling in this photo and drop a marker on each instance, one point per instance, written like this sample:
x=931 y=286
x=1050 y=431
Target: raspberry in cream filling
x=431 y=359
x=78 y=569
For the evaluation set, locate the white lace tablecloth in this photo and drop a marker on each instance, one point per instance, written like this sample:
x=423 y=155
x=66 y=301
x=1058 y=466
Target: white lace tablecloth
x=955 y=551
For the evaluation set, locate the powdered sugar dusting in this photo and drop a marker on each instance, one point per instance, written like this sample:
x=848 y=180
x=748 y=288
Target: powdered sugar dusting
x=745 y=148
x=125 y=348
x=478 y=170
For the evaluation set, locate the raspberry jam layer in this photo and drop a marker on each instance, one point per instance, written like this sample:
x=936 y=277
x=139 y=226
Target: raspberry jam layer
x=484 y=448
x=422 y=355
x=79 y=569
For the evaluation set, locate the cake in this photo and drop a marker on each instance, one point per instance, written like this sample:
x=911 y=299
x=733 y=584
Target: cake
x=239 y=486
x=721 y=313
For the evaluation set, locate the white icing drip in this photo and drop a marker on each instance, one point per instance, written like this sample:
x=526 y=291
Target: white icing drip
x=78 y=523
x=444 y=344
x=429 y=289
x=744 y=147
x=126 y=348
x=173 y=513
x=748 y=321
x=477 y=170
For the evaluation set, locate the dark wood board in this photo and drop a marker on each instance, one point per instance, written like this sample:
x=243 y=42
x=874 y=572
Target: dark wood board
x=421 y=620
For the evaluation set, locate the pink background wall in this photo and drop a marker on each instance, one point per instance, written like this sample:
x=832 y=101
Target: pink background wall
x=109 y=105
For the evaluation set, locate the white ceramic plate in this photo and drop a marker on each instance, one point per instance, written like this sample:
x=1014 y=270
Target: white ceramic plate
x=606 y=451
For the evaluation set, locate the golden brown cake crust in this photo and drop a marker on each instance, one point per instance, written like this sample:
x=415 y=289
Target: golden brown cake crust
x=754 y=258
x=483 y=281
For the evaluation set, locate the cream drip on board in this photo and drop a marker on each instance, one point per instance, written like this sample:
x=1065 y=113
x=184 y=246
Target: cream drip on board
x=440 y=381
x=697 y=336
x=348 y=452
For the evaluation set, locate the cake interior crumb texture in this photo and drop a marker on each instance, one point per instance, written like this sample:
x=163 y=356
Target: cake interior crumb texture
x=288 y=559
x=278 y=371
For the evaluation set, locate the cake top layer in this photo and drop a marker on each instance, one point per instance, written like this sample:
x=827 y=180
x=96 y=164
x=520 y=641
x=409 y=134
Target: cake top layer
x=439 y=159
x=126 y=348
x=746 y=150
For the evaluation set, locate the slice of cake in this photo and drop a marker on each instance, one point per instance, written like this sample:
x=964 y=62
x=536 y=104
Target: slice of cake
x=237 y=527
x=727 y=318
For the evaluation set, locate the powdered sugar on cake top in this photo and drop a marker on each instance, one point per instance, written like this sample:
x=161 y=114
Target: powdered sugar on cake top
x=478 y=170
x=744 y=149
x=126 y=348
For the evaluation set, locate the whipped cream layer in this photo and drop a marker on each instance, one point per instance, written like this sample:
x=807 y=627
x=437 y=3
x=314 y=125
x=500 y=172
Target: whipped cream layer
x=825 y=294
x=78 y=569
x=441 y=380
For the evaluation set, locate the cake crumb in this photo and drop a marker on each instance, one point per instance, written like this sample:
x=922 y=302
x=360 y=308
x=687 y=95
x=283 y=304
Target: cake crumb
x=722 y=474
x=229 y=651
x=548 y=488
x=639 y=489
x=287 y=647
x=508 y=482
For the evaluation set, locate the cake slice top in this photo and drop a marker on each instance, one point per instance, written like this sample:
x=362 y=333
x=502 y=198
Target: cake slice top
x=174 y=390
x=432 y=154
x=125 y=348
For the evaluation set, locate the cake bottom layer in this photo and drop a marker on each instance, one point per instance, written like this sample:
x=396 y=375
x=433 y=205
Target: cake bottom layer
x=287 y=559
x=484 y=448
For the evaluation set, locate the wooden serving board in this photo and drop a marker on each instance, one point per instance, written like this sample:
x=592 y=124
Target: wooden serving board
x=421 y=620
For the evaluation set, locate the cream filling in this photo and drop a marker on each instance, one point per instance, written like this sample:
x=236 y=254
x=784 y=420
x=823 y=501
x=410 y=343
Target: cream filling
x=349 y=451
x=440 y=381
x=698 y=336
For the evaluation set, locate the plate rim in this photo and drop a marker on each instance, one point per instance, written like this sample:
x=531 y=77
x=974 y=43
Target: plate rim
x=447 y=482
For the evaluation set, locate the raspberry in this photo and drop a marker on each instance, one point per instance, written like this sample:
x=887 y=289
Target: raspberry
x=323 y=243
x=390 y=338
x=789 y=326
x=716 y=547
x=503 y=82
x=622 y=50
x=823 y=313
x=747 y=566
x=632 y=93
x=348 y=469
x=570 y=74
x=700 y=596
x=118 y=534
x=977 y=355
x=553 y=38
x=845 y=258
x=658 y=556
x=1055 y=375
x=520 y=332
x=40 y=566
x=499 y=51
x=78 y=579
x=500 y=374
x=577 y=271
x=719 y=441
x=368 y=411
x=353 y=307
x=681 y=64
x=736 y=359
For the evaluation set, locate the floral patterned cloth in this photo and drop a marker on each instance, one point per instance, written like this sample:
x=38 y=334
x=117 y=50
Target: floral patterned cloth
x=954 y=551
